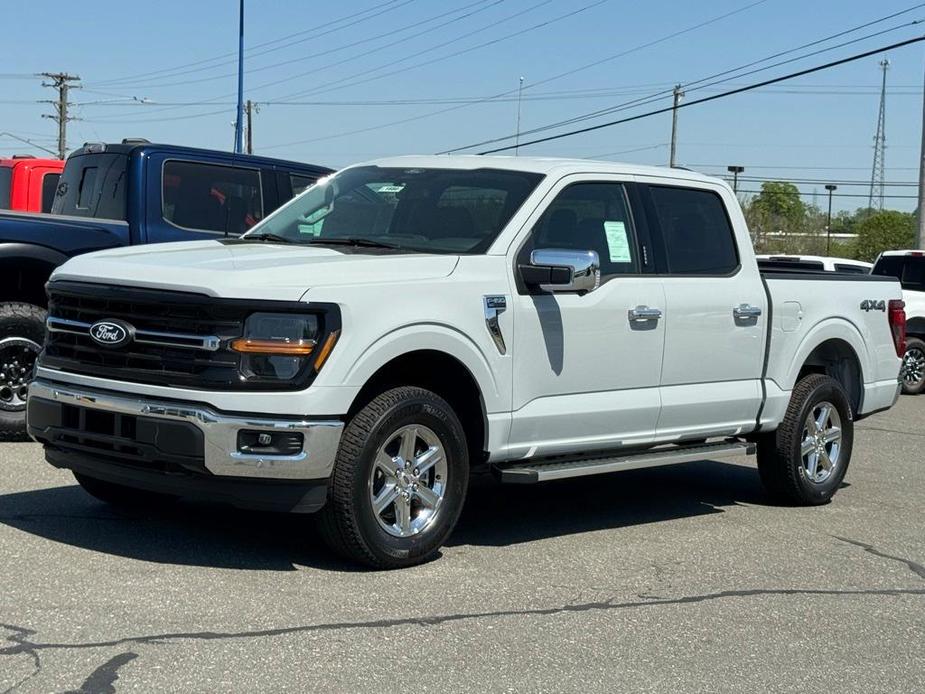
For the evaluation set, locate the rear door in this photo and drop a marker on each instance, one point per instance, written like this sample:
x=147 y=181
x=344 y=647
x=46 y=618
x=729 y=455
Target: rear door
x=715 y=312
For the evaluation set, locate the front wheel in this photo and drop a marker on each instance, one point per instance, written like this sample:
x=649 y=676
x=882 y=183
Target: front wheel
x=22 y=333
x=805 y=460
x=399 y=480
x=913 y=370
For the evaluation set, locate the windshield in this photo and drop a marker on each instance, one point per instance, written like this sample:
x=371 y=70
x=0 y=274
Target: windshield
x=425 y=210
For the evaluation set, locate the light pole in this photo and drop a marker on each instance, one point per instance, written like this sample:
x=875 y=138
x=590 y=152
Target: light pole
x=735 y=171
x=831 y=187
x=520 y=96
x=239 y=120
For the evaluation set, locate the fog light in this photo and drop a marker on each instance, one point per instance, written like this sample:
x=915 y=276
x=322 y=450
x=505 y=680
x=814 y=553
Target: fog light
x=270 y=443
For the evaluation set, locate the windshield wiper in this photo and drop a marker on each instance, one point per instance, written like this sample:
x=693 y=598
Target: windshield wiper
x=268 y=236
x=353 y=241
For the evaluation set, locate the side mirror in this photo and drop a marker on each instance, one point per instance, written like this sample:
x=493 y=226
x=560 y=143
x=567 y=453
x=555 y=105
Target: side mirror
x=562 y=270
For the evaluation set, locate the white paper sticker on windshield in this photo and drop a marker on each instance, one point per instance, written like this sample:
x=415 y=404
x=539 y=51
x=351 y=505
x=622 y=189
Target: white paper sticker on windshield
x=617 y=243
x=390 y=189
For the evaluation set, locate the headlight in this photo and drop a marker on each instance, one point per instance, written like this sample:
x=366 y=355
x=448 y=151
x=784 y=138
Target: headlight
x=282 y=346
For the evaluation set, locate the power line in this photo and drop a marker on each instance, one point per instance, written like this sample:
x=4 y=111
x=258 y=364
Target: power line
x=703 y=82
x=345 y=46
x=493 y=97
x=181 y=69
x=722 y=95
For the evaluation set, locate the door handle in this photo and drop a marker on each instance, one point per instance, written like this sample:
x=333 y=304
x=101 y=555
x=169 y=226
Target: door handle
x=746 y=311
x=642 y=313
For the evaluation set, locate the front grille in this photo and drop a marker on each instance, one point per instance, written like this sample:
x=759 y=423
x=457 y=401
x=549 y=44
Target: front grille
x=174 y=313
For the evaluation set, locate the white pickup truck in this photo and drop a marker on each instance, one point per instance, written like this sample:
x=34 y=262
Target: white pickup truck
x=909 y=268
x=404 y=322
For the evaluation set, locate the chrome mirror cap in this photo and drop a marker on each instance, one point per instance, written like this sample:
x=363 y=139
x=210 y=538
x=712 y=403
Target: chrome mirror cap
x=584 y=268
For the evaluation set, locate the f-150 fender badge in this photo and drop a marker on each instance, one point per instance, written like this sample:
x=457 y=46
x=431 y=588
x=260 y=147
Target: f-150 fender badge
x=873 y=305
x=494 y=306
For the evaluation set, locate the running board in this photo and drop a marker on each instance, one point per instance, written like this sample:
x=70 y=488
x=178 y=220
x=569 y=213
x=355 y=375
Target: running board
x=535 y=471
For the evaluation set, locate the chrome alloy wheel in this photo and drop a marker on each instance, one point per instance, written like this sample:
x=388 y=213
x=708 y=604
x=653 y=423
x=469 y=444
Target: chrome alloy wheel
x=821 y=447
x=17 y=362
x=408 y=481
x=913 y=369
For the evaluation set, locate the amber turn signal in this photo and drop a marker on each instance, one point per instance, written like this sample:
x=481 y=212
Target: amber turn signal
x=325 y=350
x=288 y=348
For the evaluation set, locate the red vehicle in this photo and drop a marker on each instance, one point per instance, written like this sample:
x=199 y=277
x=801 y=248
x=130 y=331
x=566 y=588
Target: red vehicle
x=28 y=184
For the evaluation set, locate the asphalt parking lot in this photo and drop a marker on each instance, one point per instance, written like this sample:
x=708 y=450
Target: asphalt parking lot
x=674 y=579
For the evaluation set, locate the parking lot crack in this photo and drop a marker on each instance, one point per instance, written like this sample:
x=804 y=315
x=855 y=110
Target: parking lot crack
x=914 y=567
x=23 y=645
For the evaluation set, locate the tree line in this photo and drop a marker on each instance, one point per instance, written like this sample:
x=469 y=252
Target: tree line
x=780 y=222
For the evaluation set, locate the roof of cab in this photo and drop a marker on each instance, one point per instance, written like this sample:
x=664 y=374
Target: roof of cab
x=542 y=165
x=133 y=146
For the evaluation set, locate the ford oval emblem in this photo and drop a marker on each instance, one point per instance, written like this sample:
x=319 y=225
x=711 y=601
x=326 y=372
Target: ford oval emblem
x=111 y=333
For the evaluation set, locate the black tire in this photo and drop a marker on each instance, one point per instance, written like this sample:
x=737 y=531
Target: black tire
x=780 y=462
x=914 y=359
x=120 y=495
x=20 y=324
x=348 y=523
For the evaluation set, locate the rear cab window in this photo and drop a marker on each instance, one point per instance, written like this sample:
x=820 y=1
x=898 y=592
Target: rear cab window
x=211 y=197
x=908 y=269
x=6 y=185
x=92 y=185
x=697 y=233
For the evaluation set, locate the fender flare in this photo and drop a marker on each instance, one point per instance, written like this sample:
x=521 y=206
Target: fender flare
x=31 y=251
x=436 y=337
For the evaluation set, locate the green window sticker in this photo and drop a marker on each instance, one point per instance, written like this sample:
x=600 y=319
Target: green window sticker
x=617 y=243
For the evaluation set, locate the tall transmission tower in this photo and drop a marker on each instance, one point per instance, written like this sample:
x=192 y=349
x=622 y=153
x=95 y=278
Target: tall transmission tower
x=875 y=199
x=61 y=81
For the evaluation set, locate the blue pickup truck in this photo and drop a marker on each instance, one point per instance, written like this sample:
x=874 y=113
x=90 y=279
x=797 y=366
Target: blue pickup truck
x=113 y=195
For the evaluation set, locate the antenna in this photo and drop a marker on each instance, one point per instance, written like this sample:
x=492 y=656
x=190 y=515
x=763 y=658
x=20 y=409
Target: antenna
x=875 y=199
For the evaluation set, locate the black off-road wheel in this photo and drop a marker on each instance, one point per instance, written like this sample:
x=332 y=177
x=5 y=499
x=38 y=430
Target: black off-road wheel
x=119 y=495
x=804 y=462
x=399 y=481
x=913 y=371
x=22 y=334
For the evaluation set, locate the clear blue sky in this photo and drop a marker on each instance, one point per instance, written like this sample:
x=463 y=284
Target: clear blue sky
x=354 y=55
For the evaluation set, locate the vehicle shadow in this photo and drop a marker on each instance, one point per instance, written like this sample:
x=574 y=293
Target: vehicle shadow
x=495 y=515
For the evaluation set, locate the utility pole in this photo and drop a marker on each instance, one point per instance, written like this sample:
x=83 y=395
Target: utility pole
x=62 y=82
x=520 y=96
x=678 y=94
x=831 y=187
x=249 y=108
x=920 y=231
x=239 y=121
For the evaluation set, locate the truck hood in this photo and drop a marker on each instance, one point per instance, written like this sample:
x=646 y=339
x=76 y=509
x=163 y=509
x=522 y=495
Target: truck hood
x=251 y=270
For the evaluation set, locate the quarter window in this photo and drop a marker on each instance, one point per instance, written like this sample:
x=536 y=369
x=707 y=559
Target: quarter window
x=696 y=230
x=206 y=197
x=49 y=186
x=589 y=217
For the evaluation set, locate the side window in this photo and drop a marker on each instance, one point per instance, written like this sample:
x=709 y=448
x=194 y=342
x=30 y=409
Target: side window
x=698 y=235
x=590 y=217
x=49 y=186
x=209 y=197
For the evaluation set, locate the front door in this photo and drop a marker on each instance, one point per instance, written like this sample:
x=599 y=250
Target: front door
x=586 y=369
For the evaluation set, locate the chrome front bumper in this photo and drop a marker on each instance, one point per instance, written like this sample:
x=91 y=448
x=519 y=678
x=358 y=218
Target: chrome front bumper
x=220 y=432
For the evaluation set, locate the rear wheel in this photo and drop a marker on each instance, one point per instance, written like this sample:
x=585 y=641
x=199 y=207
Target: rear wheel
x=399 y=480
x=22 y=333
x=805 y=460
x=914 y=367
